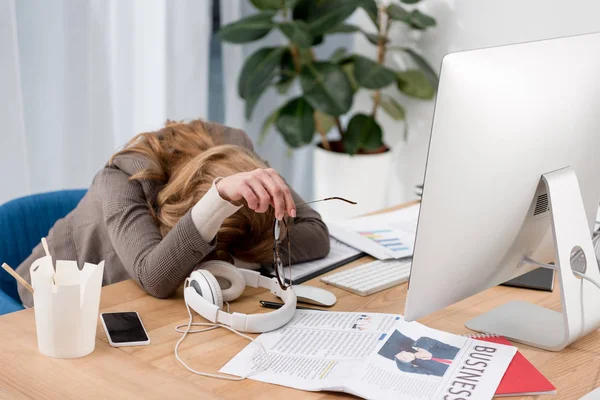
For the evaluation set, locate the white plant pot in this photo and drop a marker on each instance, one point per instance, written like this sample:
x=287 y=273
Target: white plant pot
x=360 y=178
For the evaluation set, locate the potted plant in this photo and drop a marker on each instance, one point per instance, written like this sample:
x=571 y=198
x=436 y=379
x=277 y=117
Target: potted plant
x=328 y=86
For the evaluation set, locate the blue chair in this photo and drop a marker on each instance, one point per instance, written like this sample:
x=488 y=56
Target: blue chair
x=23 y=222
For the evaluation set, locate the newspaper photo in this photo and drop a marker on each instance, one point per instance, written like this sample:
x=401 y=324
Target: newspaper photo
x=375 y=356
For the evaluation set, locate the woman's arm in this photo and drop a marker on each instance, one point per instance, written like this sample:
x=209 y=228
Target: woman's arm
x=309 y=237
x=158 y=264
x=263 y=188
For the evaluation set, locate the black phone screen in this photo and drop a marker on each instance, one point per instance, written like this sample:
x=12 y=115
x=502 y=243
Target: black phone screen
x=124 y=327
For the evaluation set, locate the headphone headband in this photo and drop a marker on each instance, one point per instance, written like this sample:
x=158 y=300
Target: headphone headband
x=254 y=323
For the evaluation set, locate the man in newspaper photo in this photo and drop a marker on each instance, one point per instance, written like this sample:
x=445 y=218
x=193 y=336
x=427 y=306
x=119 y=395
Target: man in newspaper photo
x=424 y=356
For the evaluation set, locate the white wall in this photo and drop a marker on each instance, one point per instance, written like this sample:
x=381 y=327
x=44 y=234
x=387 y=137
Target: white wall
x=11 y=110
x=464 y=25
x=80 y=78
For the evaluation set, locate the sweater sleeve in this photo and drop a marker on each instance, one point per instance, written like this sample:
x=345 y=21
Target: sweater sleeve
x=209 y=213
x=159 y=265
x=309 y=236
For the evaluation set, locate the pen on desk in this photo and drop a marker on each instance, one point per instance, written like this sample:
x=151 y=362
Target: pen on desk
x=275 y=305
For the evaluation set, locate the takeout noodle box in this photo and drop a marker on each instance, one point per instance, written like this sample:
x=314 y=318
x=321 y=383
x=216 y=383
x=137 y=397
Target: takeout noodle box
x=66 y=304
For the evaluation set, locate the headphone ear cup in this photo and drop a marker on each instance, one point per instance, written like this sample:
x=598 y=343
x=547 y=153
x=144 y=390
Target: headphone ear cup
x=229 y=273
x=207 y=286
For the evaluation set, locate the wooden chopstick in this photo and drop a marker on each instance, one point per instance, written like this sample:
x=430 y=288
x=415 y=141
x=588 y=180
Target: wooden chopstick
x=22 y=281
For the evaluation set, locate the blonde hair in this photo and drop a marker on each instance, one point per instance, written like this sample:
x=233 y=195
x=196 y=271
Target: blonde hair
x=188 y=159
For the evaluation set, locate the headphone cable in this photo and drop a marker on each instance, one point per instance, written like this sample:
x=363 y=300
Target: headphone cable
x=261 y=360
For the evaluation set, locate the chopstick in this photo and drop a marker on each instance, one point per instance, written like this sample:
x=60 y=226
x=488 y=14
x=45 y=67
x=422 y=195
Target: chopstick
x=22 y=281
x=47 y=251
x=45 y=245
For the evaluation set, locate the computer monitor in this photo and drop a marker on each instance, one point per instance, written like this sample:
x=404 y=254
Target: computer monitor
x=513 y=178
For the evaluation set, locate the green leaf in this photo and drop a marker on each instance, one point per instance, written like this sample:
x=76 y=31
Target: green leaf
x=295 y=122
x=418 y=20
x=287 y=68
x=297 y=32
x=326 y=122
x=327 y=88
x=349 y=28
x=370 y=7
x=371 y=75
x=344 y=28
x=258 y=72
x=287 y=72
x=349 y=71
x=415 y=18
x=267 y=4
x=318 y=40
x=363 y=132
x=338 y=55
x=248 y=29
x=410 y=1
x=284 y=85
x=272 y=4
x=374 y=38
x=331 y=18
x=414 y=83
x=322 y=16
x=392 y=107
x=424 y=66
x=306 y=56
x=302 y=10
x=268 y=122
x=398 y=13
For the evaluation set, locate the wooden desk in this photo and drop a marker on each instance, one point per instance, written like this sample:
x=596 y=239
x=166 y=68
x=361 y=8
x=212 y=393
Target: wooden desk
x=152 y=371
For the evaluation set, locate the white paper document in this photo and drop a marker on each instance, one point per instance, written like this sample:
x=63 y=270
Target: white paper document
x=383 y=236
x=375 y=356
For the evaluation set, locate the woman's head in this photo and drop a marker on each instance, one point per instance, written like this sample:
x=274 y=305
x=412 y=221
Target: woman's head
x=246 y=235
x=187 y=158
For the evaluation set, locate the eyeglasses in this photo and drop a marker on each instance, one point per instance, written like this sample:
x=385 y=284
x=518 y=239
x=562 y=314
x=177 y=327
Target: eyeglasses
x=282 y=228
x=279 y=228
x=327 y=199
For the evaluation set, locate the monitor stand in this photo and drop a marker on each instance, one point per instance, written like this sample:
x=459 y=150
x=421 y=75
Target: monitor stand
x=538 y=326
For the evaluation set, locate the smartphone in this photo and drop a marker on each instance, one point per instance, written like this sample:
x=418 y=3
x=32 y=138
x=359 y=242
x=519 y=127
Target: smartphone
x=124 y=329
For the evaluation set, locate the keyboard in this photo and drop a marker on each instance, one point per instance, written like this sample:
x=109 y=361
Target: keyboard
x=369 y=278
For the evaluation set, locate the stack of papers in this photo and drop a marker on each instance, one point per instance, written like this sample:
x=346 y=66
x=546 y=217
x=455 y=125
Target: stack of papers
x=383 y=236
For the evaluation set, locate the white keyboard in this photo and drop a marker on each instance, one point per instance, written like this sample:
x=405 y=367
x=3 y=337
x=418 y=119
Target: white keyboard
x=371 y=277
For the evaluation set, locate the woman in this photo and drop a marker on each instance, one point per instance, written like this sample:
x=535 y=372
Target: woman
x=173 y=198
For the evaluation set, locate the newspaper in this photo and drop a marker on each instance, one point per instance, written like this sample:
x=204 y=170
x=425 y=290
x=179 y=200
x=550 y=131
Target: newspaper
x=375 y=356
x=383 y=236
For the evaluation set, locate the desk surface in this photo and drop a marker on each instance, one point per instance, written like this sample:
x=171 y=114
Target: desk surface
x=152 y=371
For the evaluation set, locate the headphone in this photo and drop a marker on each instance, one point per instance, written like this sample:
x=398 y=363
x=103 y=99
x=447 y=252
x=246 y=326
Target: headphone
x=204 y=295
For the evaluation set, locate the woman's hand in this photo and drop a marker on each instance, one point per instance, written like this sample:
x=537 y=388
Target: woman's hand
x=260 y=188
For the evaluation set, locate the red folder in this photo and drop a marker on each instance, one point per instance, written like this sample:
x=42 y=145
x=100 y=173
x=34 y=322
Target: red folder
x=521 y=377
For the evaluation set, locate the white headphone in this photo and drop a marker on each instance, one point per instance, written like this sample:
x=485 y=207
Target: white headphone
x=206 y=297
x=203 y=294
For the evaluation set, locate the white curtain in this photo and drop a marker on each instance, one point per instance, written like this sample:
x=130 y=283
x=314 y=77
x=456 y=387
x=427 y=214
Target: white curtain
x=295 y=166
x=79 y=78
